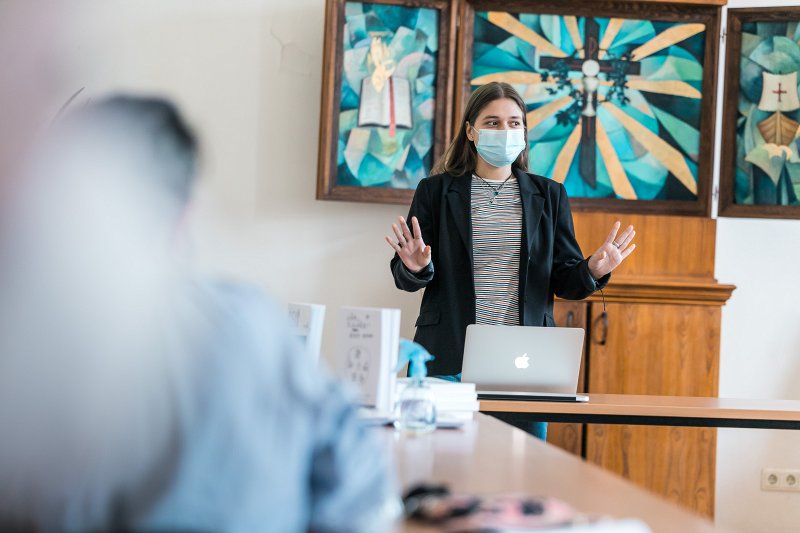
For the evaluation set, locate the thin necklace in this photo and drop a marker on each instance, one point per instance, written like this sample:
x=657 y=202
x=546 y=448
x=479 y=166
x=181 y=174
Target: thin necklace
x=495 y=190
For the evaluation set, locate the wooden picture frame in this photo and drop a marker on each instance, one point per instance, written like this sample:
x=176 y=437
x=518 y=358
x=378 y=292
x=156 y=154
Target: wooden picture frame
x=707 y=13
x=331 y=185
x=734 y=162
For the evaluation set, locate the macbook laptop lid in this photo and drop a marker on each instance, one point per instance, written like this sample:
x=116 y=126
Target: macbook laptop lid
x=523 y=362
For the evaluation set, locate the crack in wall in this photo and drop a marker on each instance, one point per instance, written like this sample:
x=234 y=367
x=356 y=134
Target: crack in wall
x=293 y=60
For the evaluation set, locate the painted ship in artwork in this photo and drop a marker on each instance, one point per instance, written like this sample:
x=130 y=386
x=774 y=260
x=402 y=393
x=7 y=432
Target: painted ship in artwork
x=779 y=96
x=776 y=159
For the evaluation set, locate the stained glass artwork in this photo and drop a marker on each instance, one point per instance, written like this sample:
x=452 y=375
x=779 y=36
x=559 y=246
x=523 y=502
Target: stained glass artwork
x=613 y=104
x=768 y=119
x=388 y=95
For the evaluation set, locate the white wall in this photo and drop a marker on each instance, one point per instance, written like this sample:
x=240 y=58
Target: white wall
x=247 y=73
x=760 y=358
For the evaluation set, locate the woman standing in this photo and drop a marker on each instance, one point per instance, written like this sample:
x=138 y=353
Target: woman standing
x=489 y=242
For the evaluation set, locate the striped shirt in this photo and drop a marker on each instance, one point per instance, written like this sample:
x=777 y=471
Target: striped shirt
x=496 y=243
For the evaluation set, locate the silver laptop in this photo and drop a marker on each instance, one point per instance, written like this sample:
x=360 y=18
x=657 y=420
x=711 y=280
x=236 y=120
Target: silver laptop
x=524 y=362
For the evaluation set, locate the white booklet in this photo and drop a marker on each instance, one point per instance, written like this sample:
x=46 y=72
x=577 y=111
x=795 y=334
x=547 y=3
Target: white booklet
x=308 y=321
x=367 y=344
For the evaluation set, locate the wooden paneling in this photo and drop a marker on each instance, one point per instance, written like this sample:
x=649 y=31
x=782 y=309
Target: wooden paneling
x=659 y=336
x=676 y=463
x=663 y=349
x=670 y=350
x=666 y=246
x=569 y=437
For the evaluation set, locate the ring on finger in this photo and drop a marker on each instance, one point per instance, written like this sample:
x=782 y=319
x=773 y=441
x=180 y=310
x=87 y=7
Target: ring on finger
x=616 y=245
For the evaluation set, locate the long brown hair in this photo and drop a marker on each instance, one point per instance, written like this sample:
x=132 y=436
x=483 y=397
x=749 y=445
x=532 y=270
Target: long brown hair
x=461 y=156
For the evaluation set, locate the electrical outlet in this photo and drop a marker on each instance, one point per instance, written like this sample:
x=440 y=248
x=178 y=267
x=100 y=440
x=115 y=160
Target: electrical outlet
x=770 y=479
x=780 y=479
x=791 y=480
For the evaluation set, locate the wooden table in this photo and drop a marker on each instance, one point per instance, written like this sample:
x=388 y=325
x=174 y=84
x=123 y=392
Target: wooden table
x=489 y=456
x=658 y=411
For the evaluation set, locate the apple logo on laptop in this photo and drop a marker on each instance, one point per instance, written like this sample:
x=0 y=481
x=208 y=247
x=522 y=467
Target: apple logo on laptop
x=521 y=361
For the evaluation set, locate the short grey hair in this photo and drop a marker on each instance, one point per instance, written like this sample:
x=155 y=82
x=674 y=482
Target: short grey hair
x=155 y=130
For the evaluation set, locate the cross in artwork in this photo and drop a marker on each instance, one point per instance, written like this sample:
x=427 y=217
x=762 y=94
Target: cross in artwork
x=591 y=65
x=780 y=91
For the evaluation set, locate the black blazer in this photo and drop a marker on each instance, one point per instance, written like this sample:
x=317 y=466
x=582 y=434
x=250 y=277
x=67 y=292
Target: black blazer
x=551 y=262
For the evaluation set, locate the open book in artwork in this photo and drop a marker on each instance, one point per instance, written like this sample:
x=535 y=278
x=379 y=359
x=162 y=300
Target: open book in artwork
x=388 y=107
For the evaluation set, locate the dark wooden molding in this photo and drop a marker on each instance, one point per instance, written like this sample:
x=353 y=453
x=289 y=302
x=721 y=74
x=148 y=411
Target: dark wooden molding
x=683 y=291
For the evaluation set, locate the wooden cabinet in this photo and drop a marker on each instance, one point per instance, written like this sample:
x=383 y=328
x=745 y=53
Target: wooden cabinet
x=648 y=348
x=662 y=349
x=570 y=436
x=660 y=335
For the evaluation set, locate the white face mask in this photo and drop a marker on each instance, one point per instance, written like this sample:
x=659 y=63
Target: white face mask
x=500 y=148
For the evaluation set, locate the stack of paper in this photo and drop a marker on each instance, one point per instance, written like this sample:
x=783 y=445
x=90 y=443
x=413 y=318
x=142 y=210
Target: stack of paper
x=308 y=321
x=368 y=340
x=454 y=401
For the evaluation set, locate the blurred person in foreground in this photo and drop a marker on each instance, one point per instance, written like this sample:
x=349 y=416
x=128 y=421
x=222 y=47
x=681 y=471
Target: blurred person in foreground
x=136 y=398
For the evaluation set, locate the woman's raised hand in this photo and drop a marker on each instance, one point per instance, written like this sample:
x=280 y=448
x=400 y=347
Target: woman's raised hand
x=411 y=249
x=613 y=252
